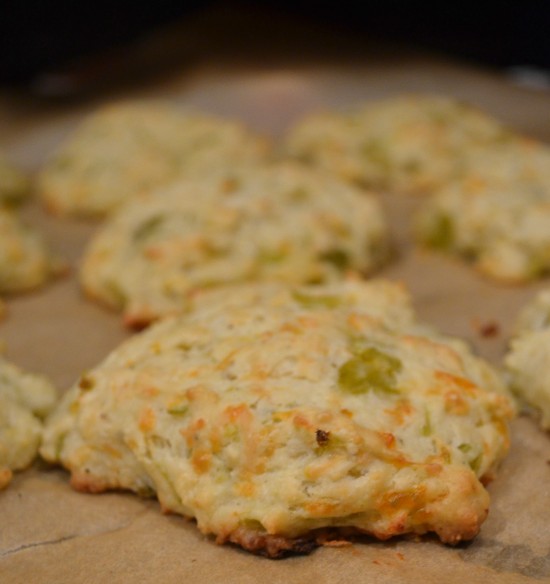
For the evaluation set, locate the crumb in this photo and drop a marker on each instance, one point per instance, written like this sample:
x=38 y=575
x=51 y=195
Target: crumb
x=487 y=329
x=322 y=437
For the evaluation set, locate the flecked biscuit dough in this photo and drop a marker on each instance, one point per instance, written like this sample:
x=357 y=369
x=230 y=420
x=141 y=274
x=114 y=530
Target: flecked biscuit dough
x=25 y=262
x=126 y=149
x=407 y=144
x=498 y=214
x=14 y=185
x=24 y=401
x=528 y=359
x=281 y=422
x=284 y=222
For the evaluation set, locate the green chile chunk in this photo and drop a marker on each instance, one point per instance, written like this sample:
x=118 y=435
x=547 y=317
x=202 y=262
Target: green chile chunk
x=316 y=300
x=272 y=256
x=370 y=370
x=441 y=234
x=376 y=151
x=148 y=228
x=179 y=410
x=339 y=258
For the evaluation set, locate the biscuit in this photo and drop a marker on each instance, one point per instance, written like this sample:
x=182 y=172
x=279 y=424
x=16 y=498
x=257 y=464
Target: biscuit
x=528 y=359
x=126 y=149
x=25 y=262
x=25 y=399
x=283 y=222
x=497 y=215
x=291 y=415
x=407 y=144
x=14 y=185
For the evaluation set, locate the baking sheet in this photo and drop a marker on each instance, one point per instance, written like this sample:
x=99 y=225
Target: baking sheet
x=51 y=534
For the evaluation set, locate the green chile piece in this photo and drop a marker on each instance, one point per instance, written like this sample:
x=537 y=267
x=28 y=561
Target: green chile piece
x=148 y=228
x=316 y=300
x=370 y=370
x=339 y=258
x=441 y=234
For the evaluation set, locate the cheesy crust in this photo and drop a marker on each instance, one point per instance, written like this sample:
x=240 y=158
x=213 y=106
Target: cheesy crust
x=310 y=411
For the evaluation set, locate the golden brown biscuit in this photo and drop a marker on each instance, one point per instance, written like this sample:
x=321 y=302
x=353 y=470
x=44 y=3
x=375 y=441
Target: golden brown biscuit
x=14 y=185
x=25 y=262
x=283 y=222
x=304 y=414
x=408 y=144
x=126 y=149
x=497 y=214
x=25 y=400
x=527 y=362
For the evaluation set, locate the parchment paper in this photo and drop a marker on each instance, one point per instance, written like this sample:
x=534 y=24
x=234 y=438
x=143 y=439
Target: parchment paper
x=51 y=534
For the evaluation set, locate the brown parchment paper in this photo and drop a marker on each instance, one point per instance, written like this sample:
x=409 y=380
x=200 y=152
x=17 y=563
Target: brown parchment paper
x=51 y=534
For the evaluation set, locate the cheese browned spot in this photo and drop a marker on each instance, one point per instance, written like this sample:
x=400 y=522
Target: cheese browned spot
x=235 y=415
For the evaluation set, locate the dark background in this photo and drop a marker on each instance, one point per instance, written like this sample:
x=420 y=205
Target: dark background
x=38 y=38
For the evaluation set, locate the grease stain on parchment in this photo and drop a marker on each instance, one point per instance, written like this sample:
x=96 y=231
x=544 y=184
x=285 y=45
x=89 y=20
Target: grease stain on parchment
x=518 y=558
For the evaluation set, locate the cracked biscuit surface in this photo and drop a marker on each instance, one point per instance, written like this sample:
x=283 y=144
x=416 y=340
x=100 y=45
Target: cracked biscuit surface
x=284 y=222
x=25 y=399
x=283 y=416
x=129 y=148
x=407 y=144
